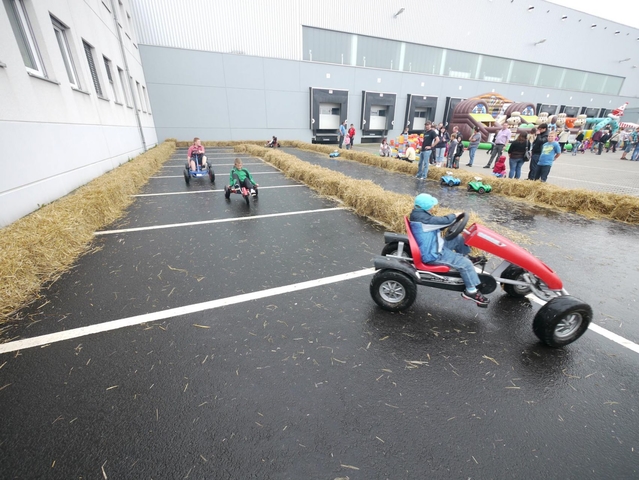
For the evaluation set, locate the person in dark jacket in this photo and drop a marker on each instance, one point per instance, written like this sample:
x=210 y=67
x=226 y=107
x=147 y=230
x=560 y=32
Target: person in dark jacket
x=426 y=228
x=603 y=140
x=516 y=154
x=542 y=137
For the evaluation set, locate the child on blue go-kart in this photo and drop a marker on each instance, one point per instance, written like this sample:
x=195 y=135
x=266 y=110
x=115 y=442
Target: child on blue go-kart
x=426 y=228
x=241 y=178
x=195 y=155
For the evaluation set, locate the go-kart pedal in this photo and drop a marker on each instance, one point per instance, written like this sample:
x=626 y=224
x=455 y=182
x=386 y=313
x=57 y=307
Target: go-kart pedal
x=476 y=297
x=478 y=260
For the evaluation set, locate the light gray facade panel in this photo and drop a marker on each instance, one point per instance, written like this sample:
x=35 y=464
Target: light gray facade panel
x=247 y=109
x=243 y=72
x=189 y=106
x=182 y=67
x=282 y=75
x=286 y=110
x=326 y=76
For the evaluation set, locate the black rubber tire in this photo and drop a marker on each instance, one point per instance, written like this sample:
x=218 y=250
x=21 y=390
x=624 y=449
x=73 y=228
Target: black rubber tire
x=227 y=192
x=513 y=272
x=481 y=190
x=211 y=175
x=187 y=176
x=443 y=182
x=568 y=312
x=470 y=189
x=392 y=290
x=246 y=199
x=451 y=183
x=391 y=249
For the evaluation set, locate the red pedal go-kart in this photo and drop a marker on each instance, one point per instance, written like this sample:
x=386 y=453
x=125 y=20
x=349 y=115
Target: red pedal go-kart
x=562 y=320
x=246 y=194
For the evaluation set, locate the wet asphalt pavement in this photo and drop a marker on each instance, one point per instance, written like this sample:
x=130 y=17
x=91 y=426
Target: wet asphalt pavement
x=318 y=383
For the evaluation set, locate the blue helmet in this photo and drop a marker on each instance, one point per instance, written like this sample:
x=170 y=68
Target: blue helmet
x=425 y=201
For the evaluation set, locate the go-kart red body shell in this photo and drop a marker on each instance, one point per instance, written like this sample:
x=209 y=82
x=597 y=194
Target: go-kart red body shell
x=485 y=239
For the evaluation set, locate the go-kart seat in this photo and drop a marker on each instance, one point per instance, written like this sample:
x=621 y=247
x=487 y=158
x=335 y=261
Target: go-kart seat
x=417 y=256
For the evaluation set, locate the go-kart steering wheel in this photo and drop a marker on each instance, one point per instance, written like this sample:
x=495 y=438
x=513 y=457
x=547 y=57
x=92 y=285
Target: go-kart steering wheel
x=457 y=227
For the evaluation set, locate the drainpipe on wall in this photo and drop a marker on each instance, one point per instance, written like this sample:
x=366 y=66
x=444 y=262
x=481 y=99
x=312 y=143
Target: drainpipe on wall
x=128 y=75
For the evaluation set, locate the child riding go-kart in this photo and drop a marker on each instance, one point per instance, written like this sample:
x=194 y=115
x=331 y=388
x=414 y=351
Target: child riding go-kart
x=562 y=320
x=241 y=182
x=199 y=171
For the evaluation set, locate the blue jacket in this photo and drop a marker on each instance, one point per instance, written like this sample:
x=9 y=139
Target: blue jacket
x=342 y=130
x=428 y=241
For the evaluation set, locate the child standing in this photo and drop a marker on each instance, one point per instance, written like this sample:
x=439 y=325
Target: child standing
x=452 y=150
x=241 y=177
x=550 y=152
x=459 y=151
x=499 y=170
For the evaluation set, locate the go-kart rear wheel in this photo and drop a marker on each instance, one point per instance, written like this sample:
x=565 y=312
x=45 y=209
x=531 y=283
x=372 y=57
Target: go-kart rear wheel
x=211 y=175
x=392 y=290
x=227 y=192
x=246 y=198
x=514 y=272
x=481 y=190
x=187 y=176
x=470 y=188
x=562 y=321
x=392 y=249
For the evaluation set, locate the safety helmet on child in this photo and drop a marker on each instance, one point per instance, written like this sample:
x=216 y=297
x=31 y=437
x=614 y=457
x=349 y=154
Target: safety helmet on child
x=425 y=201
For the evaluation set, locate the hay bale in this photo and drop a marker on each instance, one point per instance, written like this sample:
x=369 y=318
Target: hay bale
x=40 y=247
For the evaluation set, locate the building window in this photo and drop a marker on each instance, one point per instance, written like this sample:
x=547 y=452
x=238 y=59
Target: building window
x=63 y=42
x=88 y=49
x=142 y=103
x=23 y=32
x=112 y=86
x=137 y=104
x=125 y=88
x=146 y=99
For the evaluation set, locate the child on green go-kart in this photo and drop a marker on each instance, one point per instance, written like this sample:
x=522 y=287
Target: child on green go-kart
x=241 y=177
x=452 y=253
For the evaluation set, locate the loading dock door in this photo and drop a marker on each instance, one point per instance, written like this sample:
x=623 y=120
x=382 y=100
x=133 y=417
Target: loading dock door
x=419 y=120
x=419 y=109
x=378 y=115
x=329 y=118
x=378 y=118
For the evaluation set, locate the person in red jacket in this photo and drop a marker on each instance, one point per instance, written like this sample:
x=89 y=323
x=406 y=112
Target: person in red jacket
x=499 y=170
x=351 y=136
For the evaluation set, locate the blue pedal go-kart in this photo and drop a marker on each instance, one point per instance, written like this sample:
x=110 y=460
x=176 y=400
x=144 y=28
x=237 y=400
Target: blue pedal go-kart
x=199 y=172
x=450 y=180
x=334 y=154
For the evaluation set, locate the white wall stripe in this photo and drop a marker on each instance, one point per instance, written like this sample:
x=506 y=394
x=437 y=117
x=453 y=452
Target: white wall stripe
x=174 y=312
x=220 y=220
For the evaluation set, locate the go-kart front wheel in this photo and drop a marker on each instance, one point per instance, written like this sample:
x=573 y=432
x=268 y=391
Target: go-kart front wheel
x=392 y=290
x=514 y=272
x=481 y=190
x=211 y=175
x=187 y=176
x=227 y=192
x=392 y=248
x=562 y=321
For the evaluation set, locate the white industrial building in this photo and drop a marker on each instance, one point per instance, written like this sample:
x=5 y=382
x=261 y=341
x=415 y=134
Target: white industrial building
x=77 y=91
x=73 y=98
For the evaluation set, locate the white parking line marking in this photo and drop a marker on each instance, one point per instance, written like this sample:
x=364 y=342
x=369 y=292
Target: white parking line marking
x=220 y=220
x=182 y=176
x=629 y=344
x=175 y=312
x=206 y=191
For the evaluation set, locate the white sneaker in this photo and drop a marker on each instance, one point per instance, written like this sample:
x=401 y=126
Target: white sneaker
x=253 y=192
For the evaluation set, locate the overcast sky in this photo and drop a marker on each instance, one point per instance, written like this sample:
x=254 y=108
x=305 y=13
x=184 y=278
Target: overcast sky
x=625 y=12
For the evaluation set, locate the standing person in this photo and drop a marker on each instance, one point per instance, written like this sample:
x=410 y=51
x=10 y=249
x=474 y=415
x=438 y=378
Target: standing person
x=430 y=139
x=501 y=139
x=602 y=141
x=440 y=148
x=635 y=140
x=578 y=140
x=351 y=136
x=342 y=133
x=550 y=152
x=596 y=137
x=516 y=153
x=473 y=144
x=542 y=137
x=631 y=140
x=195 y=155
x=563 y=138
x=613 y=142
x=452 y=149
x=459 y=151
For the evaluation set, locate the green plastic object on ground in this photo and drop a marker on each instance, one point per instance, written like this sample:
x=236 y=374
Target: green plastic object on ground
x=478 y=186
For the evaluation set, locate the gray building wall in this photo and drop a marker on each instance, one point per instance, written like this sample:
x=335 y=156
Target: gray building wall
x=220 y=96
